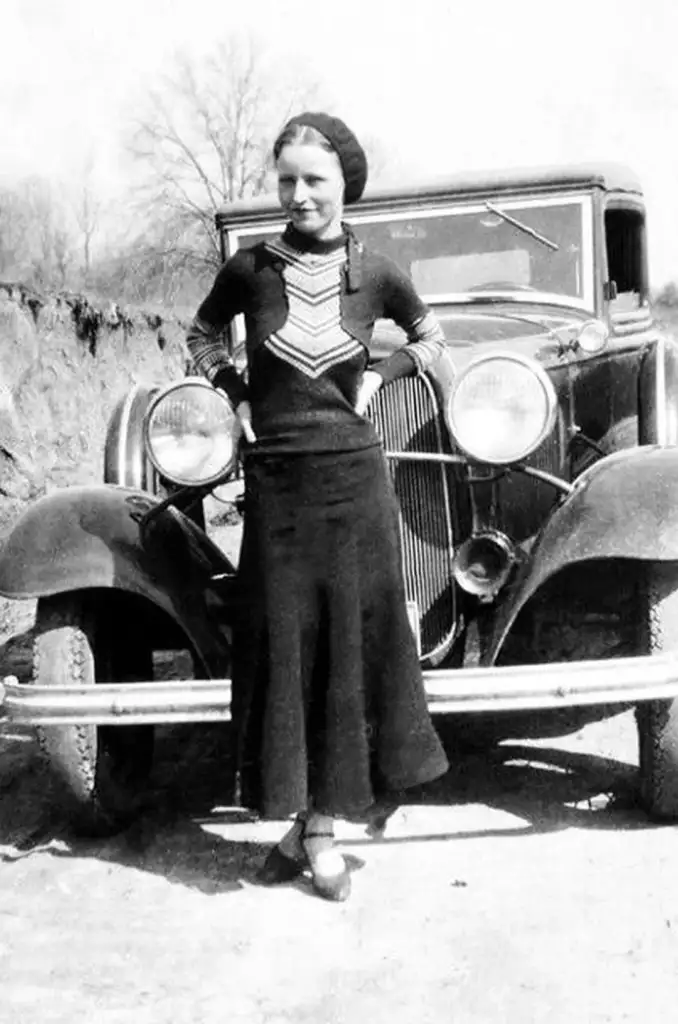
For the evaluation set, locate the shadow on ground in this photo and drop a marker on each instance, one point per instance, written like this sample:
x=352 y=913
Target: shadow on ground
x=548 y=787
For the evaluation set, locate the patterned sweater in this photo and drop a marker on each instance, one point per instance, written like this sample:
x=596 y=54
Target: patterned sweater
x=310 y=308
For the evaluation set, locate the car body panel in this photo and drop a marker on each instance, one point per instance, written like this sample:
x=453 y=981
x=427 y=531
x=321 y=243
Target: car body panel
x=608 y=515
x=81 y=538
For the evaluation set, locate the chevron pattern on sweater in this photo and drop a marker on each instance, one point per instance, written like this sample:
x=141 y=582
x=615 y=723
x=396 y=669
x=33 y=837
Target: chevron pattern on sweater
x=312 y=339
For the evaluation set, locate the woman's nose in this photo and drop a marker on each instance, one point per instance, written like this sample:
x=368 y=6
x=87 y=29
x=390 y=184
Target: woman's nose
x=300 y=192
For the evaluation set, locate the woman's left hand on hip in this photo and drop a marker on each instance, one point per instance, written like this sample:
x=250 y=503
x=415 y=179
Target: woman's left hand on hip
x=243 y=414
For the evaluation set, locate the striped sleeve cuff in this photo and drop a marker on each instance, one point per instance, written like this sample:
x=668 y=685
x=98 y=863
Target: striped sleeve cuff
x=212 y=360
x=426 y=341
x=206 y=348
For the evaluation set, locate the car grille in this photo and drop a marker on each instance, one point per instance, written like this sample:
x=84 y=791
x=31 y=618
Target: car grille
x=407 y=417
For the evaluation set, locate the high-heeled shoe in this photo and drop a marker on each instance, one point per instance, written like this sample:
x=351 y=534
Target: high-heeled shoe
x=335 y=886
x=279 y=868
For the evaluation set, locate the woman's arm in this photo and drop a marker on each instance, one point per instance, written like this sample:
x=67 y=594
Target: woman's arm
x=425 y=337
x=204 y=335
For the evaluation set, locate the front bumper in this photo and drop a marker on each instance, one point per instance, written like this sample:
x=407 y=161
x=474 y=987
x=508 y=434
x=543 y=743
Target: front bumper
x=509 y=688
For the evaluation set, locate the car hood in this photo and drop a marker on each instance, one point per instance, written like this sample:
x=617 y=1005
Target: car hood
x=526 y=328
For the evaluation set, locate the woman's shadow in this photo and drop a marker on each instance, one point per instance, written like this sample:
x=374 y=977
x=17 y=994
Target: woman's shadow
x=176 y=834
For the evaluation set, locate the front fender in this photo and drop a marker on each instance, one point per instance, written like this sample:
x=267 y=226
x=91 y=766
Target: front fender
x=80 y=538
x=624 y=506
x=658 y=394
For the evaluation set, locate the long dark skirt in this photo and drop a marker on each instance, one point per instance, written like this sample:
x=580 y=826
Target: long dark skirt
x=328 y=699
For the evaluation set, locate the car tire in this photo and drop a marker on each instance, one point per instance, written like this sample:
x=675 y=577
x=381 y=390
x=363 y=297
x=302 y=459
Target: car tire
x=100 y=771
x=657 y=720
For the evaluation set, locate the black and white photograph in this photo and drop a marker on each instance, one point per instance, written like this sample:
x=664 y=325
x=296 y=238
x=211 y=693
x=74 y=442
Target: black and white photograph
x=338 y=512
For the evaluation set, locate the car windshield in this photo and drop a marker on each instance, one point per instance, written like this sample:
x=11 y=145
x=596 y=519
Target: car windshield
x=541 y=245
x=507 y=247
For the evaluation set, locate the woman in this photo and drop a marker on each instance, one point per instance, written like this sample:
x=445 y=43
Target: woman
x=328 y=698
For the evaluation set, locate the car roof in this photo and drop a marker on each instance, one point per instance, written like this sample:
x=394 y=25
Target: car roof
x=610 y=177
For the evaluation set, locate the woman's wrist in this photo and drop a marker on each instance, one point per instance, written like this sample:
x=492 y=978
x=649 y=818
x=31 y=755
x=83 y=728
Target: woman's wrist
x=399 y=364
x=228 y=380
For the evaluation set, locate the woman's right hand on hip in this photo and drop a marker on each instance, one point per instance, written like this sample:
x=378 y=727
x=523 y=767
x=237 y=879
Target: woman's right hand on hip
x=243 y=423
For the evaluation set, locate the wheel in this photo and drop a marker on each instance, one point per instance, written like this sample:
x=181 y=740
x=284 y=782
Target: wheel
x=101 y=770
x=657 y=721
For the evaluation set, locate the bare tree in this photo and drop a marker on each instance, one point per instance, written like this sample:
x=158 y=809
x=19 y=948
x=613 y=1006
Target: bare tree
x=37 y=243
x=87 y=207
x=63 y=254
x=205 y=139
x=14 y=250
x=51 y=230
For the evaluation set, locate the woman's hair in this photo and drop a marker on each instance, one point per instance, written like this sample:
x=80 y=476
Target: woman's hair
x=300 y=135
x=315 y=128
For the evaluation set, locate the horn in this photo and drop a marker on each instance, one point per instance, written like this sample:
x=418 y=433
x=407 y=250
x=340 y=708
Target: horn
x=483 y=563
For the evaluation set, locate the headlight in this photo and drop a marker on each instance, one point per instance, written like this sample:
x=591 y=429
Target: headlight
x=501 y=408
x=592 y=336
x=189 y=433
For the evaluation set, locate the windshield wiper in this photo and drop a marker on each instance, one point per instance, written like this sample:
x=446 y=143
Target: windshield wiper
x=521 y=227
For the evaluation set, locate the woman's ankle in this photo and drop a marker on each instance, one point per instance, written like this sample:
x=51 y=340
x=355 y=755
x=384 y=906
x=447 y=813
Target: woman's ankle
x=318 y=843
x=290 y=844
x=319 y=825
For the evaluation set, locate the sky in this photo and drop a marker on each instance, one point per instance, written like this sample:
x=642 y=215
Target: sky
x=445 y=85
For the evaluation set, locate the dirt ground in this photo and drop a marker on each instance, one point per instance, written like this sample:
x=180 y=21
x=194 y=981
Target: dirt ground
x=523 y=887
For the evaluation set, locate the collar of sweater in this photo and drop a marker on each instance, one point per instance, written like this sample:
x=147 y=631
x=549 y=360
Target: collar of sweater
x=307 y=243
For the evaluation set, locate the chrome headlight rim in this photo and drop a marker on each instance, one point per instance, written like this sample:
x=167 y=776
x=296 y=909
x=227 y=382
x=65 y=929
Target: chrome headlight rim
x=174 y=478
x=592 y=336
x=540 y=375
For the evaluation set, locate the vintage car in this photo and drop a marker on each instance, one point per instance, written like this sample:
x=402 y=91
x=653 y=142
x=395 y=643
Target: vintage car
x=535 y=465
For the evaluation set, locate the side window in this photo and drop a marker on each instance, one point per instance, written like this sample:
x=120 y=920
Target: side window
x=625 y=242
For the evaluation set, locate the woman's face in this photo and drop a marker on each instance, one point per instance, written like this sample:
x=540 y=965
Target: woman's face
x=311 y=189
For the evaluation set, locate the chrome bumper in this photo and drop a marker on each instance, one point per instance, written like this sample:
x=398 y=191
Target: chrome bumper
x=513 y=688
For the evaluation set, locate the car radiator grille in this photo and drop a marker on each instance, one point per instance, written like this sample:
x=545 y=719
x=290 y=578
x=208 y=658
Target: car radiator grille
x=407 y=417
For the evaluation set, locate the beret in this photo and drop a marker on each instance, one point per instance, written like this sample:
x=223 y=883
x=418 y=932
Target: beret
x=342 y=140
